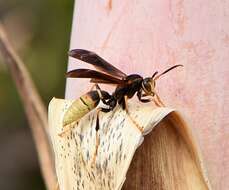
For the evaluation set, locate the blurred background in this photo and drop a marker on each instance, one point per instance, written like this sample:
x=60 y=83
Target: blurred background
x=40 y=32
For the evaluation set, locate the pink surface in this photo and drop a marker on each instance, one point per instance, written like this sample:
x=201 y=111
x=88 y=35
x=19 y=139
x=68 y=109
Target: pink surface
x=148 y=35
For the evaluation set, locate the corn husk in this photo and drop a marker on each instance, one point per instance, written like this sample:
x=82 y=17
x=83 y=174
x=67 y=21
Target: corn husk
x=168 y=159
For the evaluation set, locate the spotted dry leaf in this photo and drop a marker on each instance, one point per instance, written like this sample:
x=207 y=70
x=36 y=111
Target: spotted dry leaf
x=118 y=141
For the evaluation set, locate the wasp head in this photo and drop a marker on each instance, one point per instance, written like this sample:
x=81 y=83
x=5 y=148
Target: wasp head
x=149 y=83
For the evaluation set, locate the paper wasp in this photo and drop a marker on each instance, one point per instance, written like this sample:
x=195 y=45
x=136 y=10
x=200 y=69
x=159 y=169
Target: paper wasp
x=126 y=86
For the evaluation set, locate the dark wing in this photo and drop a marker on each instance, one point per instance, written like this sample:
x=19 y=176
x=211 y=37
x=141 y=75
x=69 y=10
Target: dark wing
x=101 y=81
x=94 y=75
x=98 y=62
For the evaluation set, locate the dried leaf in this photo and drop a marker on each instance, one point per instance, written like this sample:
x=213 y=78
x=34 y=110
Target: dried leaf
x=119 y=139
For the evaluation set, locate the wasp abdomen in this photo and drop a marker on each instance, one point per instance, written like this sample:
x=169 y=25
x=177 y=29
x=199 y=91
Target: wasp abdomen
x=81 y=107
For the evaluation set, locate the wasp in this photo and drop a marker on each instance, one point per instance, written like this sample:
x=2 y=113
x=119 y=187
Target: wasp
x=126 y=87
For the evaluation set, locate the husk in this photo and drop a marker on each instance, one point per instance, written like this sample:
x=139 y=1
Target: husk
x=168 y=159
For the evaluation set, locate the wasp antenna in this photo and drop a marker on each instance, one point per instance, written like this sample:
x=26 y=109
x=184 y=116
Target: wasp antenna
x=169 y=69
x=154 y=74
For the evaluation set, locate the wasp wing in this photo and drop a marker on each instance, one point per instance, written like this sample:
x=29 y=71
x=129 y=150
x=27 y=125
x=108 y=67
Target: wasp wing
x=98 y=62
x=94 y=75
x=101 y=81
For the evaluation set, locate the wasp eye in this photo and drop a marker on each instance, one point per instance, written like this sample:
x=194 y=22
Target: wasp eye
x=147 y=86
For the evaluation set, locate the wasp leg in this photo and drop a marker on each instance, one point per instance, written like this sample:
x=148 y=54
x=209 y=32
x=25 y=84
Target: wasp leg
x=112 y=102
x=145 y=100
x=97 y=138
x=128 y=113
x=97 y=86
x=122 y=102
x=105 y=97
x=106 y=110
x=157 y=100
x=140 y=95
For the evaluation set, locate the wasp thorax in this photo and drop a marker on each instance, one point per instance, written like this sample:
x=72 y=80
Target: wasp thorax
x=148 y=85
